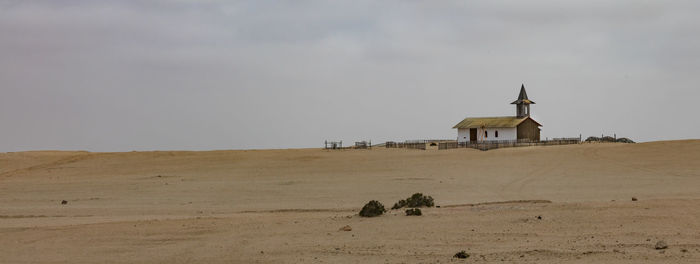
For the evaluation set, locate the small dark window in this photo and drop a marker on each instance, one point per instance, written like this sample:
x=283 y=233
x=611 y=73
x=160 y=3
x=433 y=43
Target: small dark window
x=486 y=134
x=496 y=133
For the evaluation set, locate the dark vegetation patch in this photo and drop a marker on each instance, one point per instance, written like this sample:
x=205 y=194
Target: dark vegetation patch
x=414 y=211
x=416 y=200
x=372 y=208
x=461 y=255
x=609 y=139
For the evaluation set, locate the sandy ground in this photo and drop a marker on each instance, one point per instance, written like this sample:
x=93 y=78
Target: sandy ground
x=286 y=206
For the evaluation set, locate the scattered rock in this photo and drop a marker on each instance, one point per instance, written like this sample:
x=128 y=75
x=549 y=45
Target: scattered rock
x=64 y=202
x=661 y=245
x=372 y=208
x=634 y=199
x=345 y=228
x=684 y=250
x=414 y=211
x=461 y=255
x=539 y=217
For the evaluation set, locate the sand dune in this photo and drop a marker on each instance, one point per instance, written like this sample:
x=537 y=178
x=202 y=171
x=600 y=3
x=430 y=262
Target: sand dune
x=271 y=206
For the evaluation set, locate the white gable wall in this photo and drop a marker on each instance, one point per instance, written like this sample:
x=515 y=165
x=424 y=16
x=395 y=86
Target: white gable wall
x=462 y=134
x=504 y=133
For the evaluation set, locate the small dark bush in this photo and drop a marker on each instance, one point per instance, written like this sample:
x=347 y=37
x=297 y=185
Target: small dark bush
x=592 y=139
x=414 y=211
x=462 y=255
x=609 y=139
x=416 y=200
x=373 y=208
x=598 y=139
x=624 y=140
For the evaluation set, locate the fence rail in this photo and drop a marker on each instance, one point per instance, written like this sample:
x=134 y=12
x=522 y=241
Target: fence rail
x=495 y=144
x=426 y=140
x=363 y=144
x=407 y=145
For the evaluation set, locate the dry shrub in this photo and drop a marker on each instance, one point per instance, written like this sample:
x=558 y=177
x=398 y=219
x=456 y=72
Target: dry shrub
x=372 y=208
x=416 y=200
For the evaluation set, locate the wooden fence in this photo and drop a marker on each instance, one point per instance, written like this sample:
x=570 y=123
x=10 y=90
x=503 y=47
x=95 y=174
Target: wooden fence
x=407 y=145
x=363 y=145
x=426 y=140
x=495 y=144
x=333 y=144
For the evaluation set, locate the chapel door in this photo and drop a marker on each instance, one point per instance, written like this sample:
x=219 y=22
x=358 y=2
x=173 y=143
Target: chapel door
x=472 y=134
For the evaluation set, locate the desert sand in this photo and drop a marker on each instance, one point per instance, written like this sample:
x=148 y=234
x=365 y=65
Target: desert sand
x=554 y=204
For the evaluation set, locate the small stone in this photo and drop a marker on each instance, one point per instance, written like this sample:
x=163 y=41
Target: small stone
x=539 y=217
x=634 y=199
x=661 y=245
x=64 y=202
x=345 y=228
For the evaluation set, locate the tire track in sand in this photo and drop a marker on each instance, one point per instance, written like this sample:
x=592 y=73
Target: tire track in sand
x=59 y=162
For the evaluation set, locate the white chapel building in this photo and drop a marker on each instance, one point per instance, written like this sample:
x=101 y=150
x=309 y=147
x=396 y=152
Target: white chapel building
x=520 y=127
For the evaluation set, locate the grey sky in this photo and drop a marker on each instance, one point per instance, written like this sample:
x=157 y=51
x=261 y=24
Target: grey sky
x=140 y=75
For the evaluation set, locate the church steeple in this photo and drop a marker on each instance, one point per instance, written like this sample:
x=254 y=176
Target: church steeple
x=522 y=105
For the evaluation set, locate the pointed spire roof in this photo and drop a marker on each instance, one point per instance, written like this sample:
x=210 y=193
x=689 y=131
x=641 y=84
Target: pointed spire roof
x=522 y=98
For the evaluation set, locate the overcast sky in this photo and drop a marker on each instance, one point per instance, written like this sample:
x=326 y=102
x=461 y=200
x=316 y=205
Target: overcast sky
x=196 y=75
